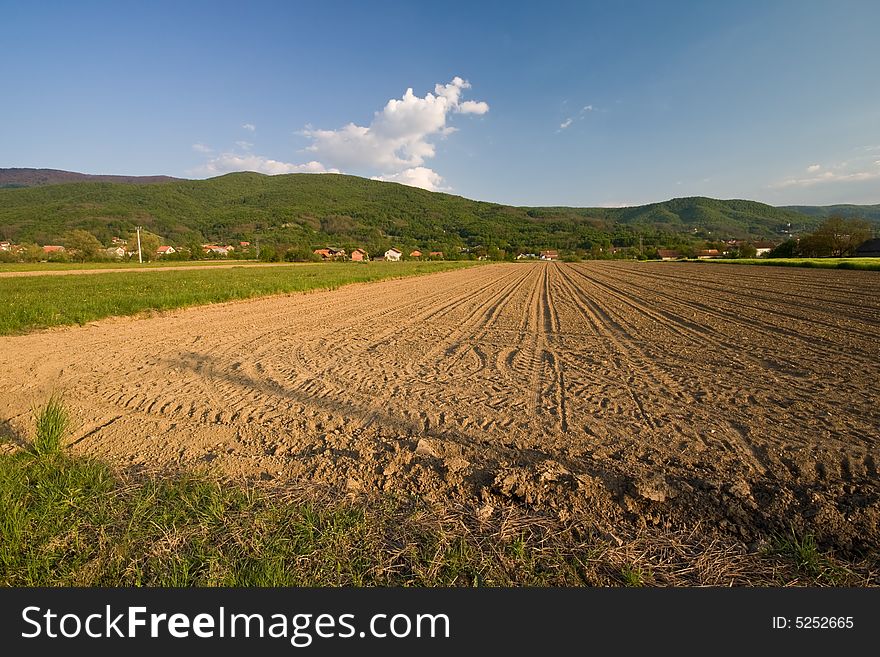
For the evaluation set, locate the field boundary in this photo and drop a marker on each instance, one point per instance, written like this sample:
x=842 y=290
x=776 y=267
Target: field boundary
x=861 y=264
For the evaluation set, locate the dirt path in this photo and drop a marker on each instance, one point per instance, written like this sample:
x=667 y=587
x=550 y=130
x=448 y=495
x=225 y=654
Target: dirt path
x=740 y=399
x=123 y=270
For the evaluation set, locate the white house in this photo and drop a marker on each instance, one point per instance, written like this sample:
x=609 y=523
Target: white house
x=214 y=248
x=763 y=248
x=165 y=250
x=393 y=254
x=115 y=252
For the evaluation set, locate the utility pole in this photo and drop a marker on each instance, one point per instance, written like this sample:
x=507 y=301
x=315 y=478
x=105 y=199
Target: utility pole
x=140 y=256
x=258 y=248
x=641 y=247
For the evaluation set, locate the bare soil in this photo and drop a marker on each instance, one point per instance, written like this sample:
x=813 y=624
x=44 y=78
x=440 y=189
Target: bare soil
x=740 y=401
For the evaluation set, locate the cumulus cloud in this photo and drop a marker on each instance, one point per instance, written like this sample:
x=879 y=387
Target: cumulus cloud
x=202 y=148
x=416 y=177
x=813 y=168
x=473 y=107
x=393 y=147
x=229 y=162
x=397 y=142
x=565 y=124
x=587 y=108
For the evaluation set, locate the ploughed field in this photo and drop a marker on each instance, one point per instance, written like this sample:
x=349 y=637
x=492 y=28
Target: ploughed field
x=732 y=400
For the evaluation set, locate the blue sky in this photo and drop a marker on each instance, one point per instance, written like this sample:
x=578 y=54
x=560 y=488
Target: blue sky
x=538 y=103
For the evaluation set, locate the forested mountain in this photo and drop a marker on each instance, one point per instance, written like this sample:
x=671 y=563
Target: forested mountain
x=311 y=210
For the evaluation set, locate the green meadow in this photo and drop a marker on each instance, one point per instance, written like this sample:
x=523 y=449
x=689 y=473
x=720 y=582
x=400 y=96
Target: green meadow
x=872 y=264
x=36 y=302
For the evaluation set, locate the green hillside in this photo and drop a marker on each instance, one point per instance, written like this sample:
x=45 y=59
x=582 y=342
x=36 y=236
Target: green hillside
x=309 y=210
x=869 y=212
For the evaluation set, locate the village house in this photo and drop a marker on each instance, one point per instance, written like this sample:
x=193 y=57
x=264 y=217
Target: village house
x=526 y=256
x=330 y=253
x=165 y=250
x=435 y=254
x=53 y=248
x=415 y=254
x=393 y=254
x=115 y=252
x=763 y=248
x=5 y=246
x=359 y=255
x=708 y=254
x=668 y=254
x=215 y=249
x=550 y=255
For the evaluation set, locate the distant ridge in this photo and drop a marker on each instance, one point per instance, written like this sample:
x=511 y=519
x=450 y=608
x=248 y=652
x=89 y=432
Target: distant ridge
x=310 y=211
x=869 y=212
x=24 y=177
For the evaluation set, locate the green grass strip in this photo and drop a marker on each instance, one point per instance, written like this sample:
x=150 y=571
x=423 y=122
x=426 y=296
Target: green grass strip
x=36 y=302
x=867 y=264
x=71 y=521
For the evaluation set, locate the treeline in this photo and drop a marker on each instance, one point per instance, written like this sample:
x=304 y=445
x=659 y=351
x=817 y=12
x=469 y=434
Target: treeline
x=835 y=237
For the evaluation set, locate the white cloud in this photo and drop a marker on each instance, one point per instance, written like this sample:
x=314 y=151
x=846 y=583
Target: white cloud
x=813 y=168
x=202 y=148
x=580 y=116
x=230 y=162
x=397 y=142
x=828 y=177
x=393 y=147
x=417 y=177
x=473 y=107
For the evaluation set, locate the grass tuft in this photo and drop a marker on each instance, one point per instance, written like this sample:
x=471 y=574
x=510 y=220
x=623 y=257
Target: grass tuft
x=808 y=560
x=52 y=424
x=632 y=576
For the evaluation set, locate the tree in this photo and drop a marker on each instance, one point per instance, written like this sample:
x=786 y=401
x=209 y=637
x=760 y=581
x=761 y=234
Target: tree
x=30 y=252
x=268 y=254
x=788 y=249
x=150 y=243
x=194 y=248
x=747 y=250
x=839 y=237
x=82 y=245
x=301 y=254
